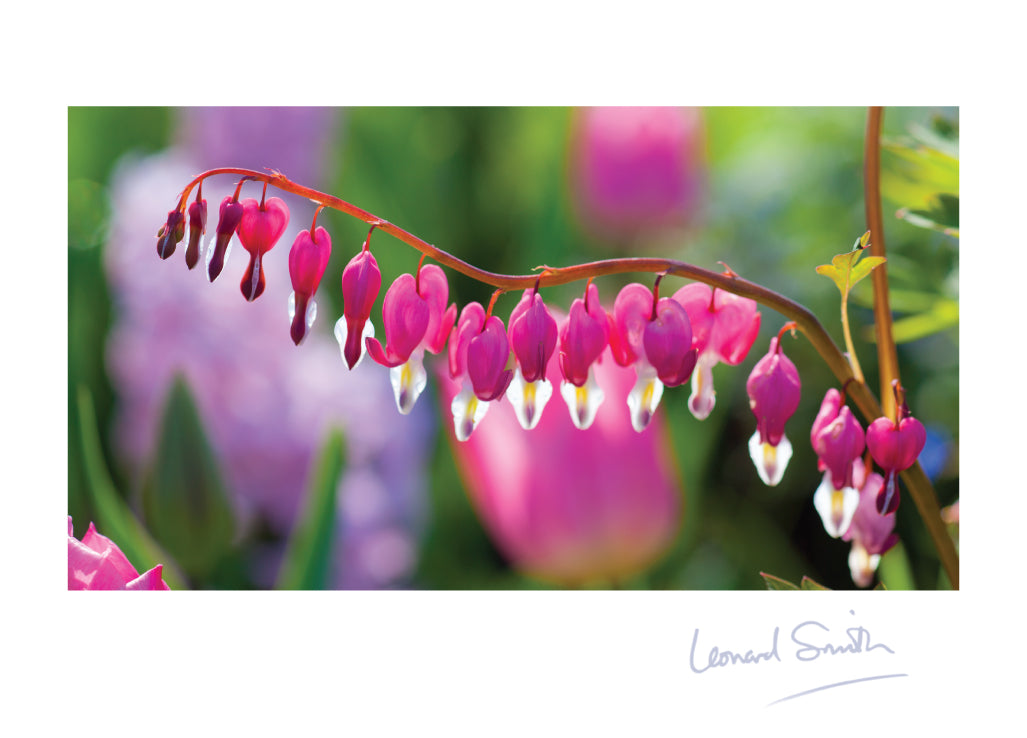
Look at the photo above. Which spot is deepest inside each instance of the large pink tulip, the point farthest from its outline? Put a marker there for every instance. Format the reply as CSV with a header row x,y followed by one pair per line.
x,y
572,506
96,562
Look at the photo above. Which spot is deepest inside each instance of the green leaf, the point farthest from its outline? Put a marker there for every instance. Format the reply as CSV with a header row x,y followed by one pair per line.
x,y
809,584
941,315
776,583
308,555
184,499
913,172
845,270
941,214
114,518
895,570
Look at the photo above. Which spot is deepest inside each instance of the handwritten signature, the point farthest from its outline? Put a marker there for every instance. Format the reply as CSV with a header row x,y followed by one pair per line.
x,y
813,638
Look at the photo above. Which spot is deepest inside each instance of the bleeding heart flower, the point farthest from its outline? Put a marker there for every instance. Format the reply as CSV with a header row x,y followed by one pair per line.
x,y
479,355
894,447
871,532
655,336
170,234
229,215
533,336
416,320
583,336
96,562
774,391
724,327
308,259
361,281
197,228
259,229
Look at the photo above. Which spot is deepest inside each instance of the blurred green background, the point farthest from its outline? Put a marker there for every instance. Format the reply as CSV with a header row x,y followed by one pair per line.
x,y
782,192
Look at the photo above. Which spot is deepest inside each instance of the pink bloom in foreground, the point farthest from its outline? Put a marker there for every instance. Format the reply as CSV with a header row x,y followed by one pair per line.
x,y
96,562
774,390
573,506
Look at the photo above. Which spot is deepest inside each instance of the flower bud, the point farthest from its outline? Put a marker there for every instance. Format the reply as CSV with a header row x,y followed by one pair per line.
x,y
229,215
774,390
361,280
197,228
170,234
308,259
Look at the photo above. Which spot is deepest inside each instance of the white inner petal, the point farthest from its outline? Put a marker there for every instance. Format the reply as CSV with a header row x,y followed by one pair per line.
x,y
644,398
292,306
408,381
862,566
835,506
770,461
341,332
703,398
528,398
468,411
210,254
582,402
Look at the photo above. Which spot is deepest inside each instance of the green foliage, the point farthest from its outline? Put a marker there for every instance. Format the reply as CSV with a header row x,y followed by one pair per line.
x,y
308,556
185,504
846,270
114,519
777,583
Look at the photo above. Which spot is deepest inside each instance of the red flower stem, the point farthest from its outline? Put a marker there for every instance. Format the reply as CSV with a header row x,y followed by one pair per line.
x,y
887,357
919,486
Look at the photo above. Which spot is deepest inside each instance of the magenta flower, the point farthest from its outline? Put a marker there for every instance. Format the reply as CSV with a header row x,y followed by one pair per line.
x,y
894,447
871,533
197,229
96,562
229,215
837,439
170,234
361,280
478,356
570,506
583,336
637,169
724,327
416,320
533,335
655,336
774,391
308,259
259,229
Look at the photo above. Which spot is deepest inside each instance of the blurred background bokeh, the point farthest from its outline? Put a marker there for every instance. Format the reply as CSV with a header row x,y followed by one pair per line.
x,y
200,435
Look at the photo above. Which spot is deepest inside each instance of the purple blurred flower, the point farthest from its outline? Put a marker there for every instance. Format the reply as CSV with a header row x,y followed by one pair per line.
x,y
636,170
265,403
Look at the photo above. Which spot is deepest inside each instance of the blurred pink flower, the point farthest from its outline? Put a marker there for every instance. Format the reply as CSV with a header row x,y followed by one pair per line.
x,y
573,506
637,169
96,562
265,402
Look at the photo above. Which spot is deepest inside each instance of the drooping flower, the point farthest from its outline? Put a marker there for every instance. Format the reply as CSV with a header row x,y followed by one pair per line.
x,y
479,355
197,229
416,320
653,335
229,215
170,234
724,327
895,446
573,507
583,336
361,281
837,439
96,562
259,229
533,335
871,533
308,259
774,389
636,170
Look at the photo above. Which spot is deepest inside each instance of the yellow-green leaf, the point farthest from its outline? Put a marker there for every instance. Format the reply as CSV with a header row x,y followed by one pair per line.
x,y
845,270
809,584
